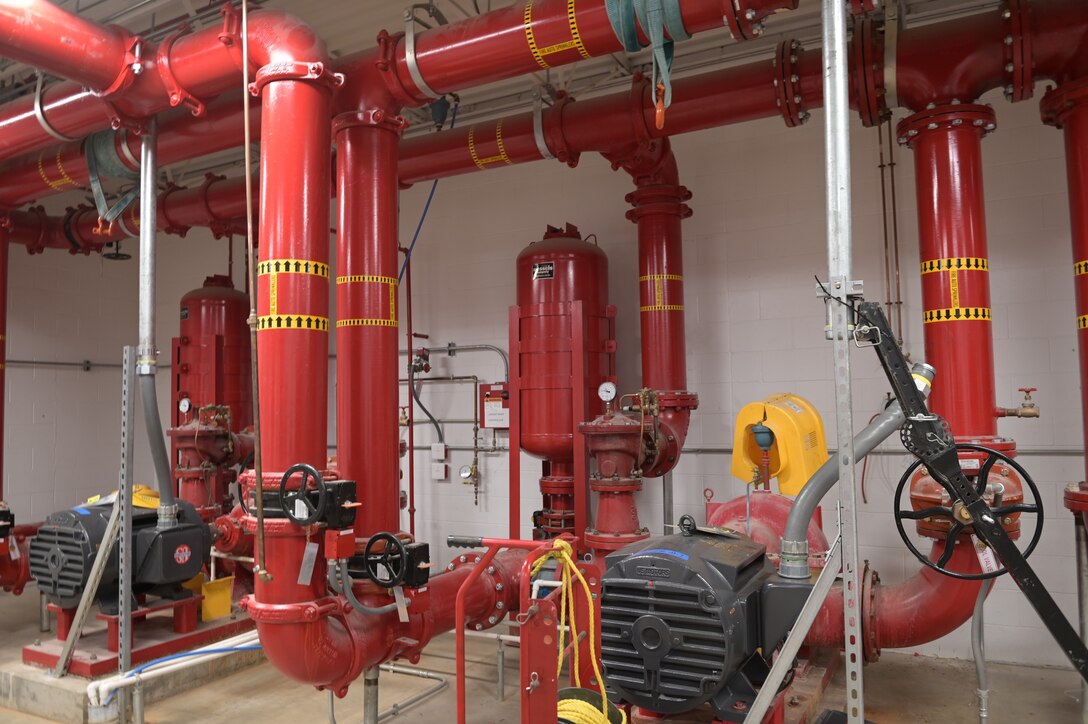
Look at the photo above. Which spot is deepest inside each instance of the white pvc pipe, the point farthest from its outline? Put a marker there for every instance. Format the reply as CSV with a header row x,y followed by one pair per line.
x,y
98,692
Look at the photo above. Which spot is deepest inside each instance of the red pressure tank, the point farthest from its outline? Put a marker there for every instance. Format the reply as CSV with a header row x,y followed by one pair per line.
x,y
553,275
212,391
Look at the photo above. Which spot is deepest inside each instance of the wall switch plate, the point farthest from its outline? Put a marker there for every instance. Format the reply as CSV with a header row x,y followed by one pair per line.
x,y
439,451
440,471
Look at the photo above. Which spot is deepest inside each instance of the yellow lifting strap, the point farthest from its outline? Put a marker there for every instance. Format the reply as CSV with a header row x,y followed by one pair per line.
x,y
799,447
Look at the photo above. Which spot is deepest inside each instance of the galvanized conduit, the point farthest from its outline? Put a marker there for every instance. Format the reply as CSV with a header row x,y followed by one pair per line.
x,y
978,650
147,355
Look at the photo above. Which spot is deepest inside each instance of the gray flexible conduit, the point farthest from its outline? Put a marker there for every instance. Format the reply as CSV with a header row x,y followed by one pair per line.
x,y
415,396
163,476
345,584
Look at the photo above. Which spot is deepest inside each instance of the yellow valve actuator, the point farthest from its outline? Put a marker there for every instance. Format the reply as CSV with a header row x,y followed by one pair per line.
x,y
799,446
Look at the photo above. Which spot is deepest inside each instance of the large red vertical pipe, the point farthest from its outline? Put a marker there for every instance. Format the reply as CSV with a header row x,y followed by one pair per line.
x,y
947,145
293,273
1067,108
367,392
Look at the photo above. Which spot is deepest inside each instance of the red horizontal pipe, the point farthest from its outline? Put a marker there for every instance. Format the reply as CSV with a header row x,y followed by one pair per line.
x,y
55,41
218,203
921,609
188,70
182,137
15,570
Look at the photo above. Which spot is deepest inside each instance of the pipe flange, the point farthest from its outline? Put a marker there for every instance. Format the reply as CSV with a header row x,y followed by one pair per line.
x,y
1058,102
745,22
870,579
373,118
787,83
315,72
131,65
867,55
169,226
1019,62
677,400
611,542
500,588
947,118
174,91
1076,497
68,227
659,199
557,485
553,131
285,613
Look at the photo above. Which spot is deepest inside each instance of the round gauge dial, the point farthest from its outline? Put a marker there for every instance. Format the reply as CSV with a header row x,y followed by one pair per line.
x,y
607,391
466,472
184,405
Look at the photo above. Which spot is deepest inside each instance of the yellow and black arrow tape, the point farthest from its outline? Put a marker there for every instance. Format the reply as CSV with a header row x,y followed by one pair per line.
x,y
955,264
293,266
293,321
366,323
1081,267
957,314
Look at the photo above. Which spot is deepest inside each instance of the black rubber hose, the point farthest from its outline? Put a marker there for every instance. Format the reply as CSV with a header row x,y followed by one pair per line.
x,y
415,396
345,583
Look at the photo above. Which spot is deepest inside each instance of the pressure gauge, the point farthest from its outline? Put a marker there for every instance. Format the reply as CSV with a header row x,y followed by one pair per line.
x,y
466,473
607,391
184,405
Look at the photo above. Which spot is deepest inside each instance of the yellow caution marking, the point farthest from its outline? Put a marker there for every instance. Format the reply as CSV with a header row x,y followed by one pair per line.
x,y
659,294
957,314
572,20
955,264
1082,321
666,277
575,41
273,294
529,36
1081,267
293,266
393,304
366,323
361,278
481,163
954,287
663,308
293,321
65,179
922,379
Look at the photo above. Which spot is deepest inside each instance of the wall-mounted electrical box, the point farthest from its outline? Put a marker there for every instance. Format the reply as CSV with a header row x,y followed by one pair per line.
x,y
495,406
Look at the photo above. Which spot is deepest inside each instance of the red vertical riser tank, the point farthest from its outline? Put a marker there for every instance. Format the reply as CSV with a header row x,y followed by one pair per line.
x,y
211,363
562,339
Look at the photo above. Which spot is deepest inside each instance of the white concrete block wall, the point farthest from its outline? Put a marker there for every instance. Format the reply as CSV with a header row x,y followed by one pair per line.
x,y
754,324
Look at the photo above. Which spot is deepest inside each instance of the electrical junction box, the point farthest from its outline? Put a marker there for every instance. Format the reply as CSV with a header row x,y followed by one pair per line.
x,y
440,471
495,406
439,451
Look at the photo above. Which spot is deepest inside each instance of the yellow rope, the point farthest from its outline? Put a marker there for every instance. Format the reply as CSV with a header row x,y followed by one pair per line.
x,y
579,712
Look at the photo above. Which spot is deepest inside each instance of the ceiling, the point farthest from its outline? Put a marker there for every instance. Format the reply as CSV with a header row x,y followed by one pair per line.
x,y
348,27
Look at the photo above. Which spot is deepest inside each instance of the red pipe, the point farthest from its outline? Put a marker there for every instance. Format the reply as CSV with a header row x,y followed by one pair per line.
x,y
180,138
367,357
218,203
1067,108
15,565
947,145
184,70
315,638
921,609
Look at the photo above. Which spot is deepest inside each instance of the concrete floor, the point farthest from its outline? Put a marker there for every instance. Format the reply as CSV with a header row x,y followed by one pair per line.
x,y
900,689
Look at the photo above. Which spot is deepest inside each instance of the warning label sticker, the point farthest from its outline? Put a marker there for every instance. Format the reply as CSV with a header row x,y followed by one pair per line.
x,y
544,270
496,414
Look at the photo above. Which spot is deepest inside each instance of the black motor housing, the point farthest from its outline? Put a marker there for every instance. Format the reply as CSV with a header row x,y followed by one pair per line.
x,y
63,551
684,618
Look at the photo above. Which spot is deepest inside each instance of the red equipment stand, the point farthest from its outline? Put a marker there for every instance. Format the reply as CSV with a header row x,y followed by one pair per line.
x,y
155,636
539,630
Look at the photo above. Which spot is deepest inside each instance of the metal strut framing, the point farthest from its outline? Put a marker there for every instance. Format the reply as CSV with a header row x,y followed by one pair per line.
x,y
841,289
124,496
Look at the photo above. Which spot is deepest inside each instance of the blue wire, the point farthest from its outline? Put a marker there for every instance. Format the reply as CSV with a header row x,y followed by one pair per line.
x,y
143,667
426,208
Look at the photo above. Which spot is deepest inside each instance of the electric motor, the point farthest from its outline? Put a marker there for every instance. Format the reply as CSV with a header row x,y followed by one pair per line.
x,y
63,552
684,617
